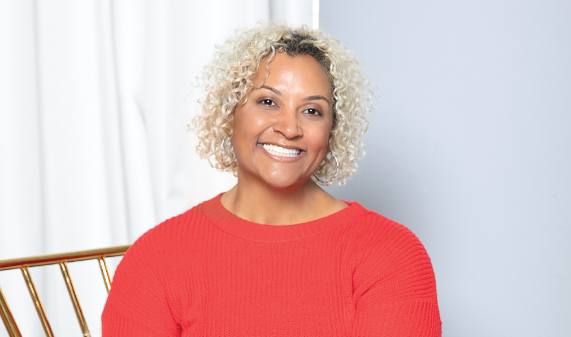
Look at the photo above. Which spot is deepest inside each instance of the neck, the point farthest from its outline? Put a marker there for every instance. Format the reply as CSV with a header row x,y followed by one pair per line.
x,y
258,202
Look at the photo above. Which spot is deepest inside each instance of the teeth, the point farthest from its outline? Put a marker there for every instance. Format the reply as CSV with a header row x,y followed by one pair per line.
x,y
280,151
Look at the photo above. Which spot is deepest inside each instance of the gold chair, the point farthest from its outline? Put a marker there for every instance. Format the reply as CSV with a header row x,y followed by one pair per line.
x,y
24,263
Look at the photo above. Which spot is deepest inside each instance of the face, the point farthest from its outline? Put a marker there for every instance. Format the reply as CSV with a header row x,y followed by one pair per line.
x,y
280,135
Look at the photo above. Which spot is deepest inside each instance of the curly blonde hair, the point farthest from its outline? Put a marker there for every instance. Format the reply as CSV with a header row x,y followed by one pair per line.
x,y
228,79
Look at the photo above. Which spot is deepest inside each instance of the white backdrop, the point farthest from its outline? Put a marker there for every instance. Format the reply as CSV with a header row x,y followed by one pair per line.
x,y
95,98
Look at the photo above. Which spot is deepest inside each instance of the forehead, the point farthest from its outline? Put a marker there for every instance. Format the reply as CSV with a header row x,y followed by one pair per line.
x,y
303,70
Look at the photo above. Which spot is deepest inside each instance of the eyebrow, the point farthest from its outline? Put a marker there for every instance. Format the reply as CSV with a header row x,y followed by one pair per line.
x,y
274,90
316,97
309,98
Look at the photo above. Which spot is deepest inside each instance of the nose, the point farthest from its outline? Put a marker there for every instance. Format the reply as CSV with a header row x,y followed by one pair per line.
x,y
288,124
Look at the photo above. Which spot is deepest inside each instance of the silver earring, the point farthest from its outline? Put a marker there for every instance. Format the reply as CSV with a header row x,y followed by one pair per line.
x,y
222,151
336,172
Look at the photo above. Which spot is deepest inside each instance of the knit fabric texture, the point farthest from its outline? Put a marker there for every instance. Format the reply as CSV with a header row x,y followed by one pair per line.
x,y
207,272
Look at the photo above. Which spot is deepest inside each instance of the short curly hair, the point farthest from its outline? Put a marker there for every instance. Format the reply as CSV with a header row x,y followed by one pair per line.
x,y
228,79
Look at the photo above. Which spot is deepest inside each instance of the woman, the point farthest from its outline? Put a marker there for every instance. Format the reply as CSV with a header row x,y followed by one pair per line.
x,y
277,255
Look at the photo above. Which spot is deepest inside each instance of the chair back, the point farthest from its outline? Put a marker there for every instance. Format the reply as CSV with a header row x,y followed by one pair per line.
x,y
61,259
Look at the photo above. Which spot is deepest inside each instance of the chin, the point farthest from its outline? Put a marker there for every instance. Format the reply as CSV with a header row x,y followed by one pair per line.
x,y
284,182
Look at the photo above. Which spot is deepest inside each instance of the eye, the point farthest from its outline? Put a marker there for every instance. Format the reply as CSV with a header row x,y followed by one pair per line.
x,y
312,111
267,101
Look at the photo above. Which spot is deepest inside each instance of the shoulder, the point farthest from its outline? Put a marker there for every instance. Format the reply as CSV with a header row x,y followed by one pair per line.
x,y
390,253
378,230
153,259
169,236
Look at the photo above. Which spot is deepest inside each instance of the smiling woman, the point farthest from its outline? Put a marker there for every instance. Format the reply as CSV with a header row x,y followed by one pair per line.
x,y
277,255
290,116
232,74
280,137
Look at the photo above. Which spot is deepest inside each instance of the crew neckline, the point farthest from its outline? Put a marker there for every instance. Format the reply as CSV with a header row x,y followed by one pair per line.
x,y
234,225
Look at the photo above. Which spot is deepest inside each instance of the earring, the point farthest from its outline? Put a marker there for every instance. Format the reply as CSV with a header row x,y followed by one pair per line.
x,y
222,151
336,172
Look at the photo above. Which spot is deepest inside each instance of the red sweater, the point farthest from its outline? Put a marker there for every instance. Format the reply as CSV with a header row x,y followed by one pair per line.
x,y
207,272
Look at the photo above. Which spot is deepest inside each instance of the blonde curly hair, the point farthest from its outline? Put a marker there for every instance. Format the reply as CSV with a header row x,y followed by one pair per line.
x,y
228,79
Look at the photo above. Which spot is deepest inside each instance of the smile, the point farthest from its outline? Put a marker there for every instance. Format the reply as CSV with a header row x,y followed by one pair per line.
x,y
280,151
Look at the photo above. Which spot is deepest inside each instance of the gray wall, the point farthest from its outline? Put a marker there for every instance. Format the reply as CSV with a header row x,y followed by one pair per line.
x,y
470,147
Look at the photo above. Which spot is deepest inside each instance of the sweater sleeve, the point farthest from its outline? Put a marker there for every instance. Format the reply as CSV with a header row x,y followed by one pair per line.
x,y
395,288
138,303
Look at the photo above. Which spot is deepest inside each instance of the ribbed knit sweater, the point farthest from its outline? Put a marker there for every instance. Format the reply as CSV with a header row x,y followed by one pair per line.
x,y
207,272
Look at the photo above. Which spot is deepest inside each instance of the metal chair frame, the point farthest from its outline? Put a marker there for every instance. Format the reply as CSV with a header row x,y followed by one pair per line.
x,y
24,263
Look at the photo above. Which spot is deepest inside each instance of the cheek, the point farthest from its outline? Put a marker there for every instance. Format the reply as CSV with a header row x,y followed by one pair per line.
x,y
248,120
320,137
248,126
258,122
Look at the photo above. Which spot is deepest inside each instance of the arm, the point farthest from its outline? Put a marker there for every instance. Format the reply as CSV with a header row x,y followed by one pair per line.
x,y
137,304
395,289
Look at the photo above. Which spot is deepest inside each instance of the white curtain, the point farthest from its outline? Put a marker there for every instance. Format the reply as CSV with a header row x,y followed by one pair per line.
x,y
95,98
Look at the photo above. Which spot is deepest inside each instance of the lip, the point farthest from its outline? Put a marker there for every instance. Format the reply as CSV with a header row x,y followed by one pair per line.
x,y
283,159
